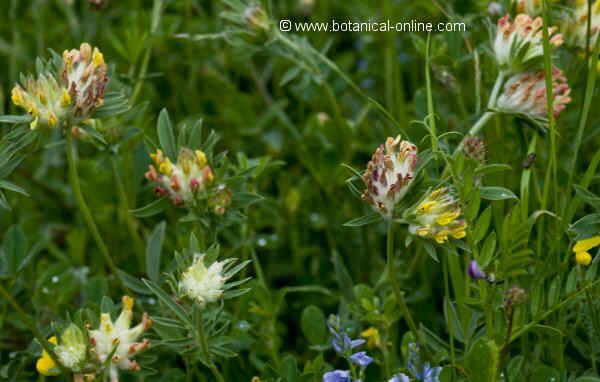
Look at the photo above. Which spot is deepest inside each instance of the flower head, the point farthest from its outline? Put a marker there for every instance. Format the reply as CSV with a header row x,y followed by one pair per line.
x,y
438,217
373,337
530,7
183,180
389,173
577,25
400,378
118,340
45,365
44,99
474,149
341,342
518,45
525,93
84,76
337,376
422,371
361,359
475,271
582,247
203,284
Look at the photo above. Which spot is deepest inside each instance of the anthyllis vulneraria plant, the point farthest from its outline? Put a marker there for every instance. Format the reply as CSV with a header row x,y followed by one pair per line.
x,y
438,216
115,343
525,94
389,175
70,93
582,247
204,284
518,45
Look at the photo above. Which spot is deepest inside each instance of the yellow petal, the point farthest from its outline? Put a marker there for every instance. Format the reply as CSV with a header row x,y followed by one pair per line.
x,y
587,244
46,366
583,258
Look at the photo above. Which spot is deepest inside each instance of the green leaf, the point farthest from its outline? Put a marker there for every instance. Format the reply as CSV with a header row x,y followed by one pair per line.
x,y
12,187
482,361
166,136
314,326
154,208
343,277
169,302
154,250
245,199
587,197
14,248
371,218
15,119
289,369
497,193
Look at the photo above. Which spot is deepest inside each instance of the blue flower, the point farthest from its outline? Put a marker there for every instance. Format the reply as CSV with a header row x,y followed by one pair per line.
x,y
361,358
337,376
429,374
424,373
341,342
400,378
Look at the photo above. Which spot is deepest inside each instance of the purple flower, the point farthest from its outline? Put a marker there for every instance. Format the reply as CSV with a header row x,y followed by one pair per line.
x,y
423,372
475,271
337,376
341,342
361,358
400,378
429,374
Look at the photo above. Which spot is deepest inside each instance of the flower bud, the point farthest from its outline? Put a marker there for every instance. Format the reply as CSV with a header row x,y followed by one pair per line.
x,y
475,271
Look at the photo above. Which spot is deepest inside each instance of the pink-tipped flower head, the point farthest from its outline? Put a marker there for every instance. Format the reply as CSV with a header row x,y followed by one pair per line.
x,y
525,93
518,44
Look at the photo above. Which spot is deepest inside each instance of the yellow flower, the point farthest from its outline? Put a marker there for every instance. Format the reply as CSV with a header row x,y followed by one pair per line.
x,y
45,365
373,337
582,247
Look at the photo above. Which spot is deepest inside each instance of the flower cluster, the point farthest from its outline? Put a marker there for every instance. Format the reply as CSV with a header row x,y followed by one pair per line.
x,y
183,180
518,45
118,341
438,217
577,26
530,7
84,76
525,93
202,284
421,371
87,358
344,346
474,149
389,174
50,98
582,247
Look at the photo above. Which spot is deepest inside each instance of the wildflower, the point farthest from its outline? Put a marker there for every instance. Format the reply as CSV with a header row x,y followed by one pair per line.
x,y
525,93
400,378
475,271
577,25
495,9
373,337
514,296
389,174
582,247
474,148
183,180
256,17
337,376
118,340
203,284
530,7
220,200
84,76
423,372
44,99
341,342
518,45
361,358
437,217
45,365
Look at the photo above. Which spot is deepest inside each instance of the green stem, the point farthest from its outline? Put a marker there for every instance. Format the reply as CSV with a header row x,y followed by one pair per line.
x,y
430,105
129,219
398,292
204,345
36,333
475,129
83,207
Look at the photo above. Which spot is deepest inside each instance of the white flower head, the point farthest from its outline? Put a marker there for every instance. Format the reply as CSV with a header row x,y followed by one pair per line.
x,y
518,45
576,26
72,348
525,93
118,340
389,174
203,284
